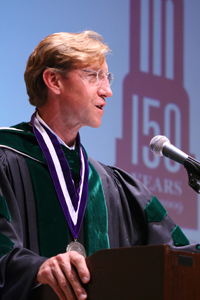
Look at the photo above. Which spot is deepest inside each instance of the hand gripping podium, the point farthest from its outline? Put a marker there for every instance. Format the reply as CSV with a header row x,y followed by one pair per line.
x,y
139,273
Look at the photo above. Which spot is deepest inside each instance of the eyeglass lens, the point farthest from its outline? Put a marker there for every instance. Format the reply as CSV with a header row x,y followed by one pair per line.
x,y
101,76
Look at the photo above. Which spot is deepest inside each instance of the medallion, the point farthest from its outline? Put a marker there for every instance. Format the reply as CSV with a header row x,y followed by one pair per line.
x,y
76,246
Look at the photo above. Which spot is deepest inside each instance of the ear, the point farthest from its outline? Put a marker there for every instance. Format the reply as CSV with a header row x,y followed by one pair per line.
x,y
52,81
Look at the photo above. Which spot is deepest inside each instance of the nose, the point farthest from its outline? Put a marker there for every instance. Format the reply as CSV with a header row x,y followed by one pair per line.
x,y
104,88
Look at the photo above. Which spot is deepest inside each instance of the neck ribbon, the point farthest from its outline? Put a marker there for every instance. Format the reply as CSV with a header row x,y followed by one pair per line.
x,y
73,202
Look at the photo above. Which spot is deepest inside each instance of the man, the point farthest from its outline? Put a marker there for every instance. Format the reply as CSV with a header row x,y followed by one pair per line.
x,y
53,199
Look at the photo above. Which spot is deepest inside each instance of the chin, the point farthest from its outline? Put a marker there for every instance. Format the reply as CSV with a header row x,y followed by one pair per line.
x,y
95,123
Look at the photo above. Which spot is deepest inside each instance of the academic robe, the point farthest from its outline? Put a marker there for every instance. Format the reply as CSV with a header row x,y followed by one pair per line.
x,y
134,215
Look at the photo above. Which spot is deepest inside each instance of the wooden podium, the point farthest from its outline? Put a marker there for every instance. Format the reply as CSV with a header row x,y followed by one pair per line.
x,y
139,273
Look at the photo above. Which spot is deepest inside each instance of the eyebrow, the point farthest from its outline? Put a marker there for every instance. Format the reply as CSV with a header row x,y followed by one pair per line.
x,y
90,70
95,70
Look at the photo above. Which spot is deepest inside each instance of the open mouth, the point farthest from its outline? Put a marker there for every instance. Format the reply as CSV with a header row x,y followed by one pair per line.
x,y
99,106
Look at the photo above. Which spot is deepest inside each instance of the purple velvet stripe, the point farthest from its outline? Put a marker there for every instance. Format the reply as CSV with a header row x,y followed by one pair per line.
x,y
65,167
81,169
84,192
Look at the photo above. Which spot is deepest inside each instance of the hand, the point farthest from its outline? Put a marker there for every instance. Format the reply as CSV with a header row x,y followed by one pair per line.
x,y
64,273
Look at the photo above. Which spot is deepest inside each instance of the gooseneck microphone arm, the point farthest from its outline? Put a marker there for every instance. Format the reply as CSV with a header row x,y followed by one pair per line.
x,y
160,145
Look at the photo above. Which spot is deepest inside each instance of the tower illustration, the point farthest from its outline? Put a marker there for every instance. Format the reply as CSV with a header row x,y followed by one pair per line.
x,y
156,103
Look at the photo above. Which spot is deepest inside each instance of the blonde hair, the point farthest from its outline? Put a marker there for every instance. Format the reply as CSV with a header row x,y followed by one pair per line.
x,y
61,52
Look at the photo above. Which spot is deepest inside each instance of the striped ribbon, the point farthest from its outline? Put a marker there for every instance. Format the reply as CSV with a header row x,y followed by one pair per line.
x,y
73,202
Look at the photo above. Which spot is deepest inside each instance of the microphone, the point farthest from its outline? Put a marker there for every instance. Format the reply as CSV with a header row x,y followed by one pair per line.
x,y
160,145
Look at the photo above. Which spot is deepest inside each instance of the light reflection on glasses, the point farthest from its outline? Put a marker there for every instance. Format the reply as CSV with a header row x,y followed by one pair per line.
x,y
97,77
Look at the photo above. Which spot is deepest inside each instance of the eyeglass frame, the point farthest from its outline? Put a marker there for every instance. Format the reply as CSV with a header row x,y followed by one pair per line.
x,y
97,76
97,72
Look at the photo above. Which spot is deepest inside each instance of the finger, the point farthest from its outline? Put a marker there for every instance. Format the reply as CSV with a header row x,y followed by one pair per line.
x,y
66,264
61,285
59,292
51,274
80,263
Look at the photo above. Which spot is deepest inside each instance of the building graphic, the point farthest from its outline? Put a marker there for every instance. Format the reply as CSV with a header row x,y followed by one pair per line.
x,y
156,103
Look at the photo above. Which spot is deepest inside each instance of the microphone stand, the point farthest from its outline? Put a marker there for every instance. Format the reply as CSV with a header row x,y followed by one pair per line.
x,y
193,169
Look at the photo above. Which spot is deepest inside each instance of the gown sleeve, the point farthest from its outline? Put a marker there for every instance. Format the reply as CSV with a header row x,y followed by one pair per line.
x,y
18,264
145,216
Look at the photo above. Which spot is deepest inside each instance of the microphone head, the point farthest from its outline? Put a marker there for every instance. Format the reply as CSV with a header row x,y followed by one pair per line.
x,y
157,143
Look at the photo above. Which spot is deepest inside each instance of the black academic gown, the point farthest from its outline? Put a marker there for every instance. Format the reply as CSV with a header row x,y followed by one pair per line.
x,y
128,226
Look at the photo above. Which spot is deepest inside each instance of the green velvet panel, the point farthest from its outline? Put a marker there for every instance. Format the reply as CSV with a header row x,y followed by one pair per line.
x,y
51,222
179,238
155,212
6,245
22,141
96,220
73,161
4,211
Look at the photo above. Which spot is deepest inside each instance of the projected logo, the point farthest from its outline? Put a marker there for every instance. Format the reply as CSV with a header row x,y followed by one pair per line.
x,y
155,102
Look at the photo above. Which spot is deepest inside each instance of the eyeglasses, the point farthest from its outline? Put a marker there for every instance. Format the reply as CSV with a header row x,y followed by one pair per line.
x,y
96,77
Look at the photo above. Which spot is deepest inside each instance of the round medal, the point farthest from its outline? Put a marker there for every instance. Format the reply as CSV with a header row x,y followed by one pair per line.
x,y
76,246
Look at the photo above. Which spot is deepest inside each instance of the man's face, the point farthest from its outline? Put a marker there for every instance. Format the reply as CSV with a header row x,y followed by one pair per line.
x,y
81,102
